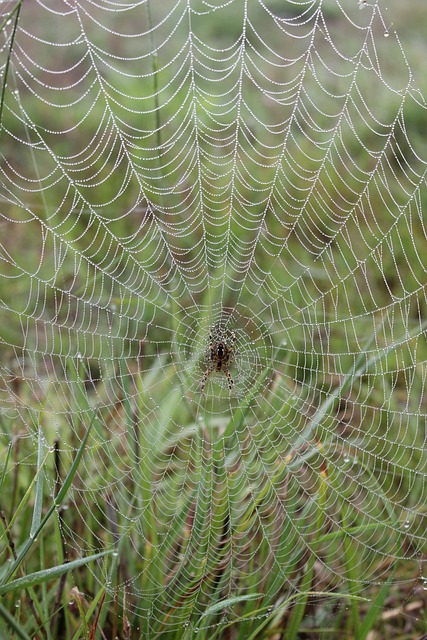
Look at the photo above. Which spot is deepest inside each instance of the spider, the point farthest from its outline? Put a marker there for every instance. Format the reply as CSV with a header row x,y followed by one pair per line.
x,y
220,356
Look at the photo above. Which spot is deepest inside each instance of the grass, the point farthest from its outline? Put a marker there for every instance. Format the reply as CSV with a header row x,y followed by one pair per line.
x,y
132,507
215,520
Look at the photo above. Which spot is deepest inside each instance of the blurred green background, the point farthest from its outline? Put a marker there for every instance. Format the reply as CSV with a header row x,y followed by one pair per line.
x,y
105,303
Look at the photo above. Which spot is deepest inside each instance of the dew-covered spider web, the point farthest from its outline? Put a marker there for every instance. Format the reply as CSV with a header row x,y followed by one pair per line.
x,y
214,252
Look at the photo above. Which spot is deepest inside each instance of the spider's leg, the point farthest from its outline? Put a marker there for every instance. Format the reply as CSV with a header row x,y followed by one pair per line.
x,y
211,348
205,376
229,378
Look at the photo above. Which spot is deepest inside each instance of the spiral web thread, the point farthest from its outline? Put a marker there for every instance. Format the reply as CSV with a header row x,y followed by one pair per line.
x,y
181,175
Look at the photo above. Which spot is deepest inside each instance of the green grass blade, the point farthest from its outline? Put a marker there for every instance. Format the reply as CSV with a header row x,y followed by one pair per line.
x,y
12,623
375,609
38,577
351,564
55,504
96,600
16,10
318,525
5,465
24,500
38,501
229,602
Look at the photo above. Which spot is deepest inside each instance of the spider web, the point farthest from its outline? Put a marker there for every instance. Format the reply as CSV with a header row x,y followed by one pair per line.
x,y
180,174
